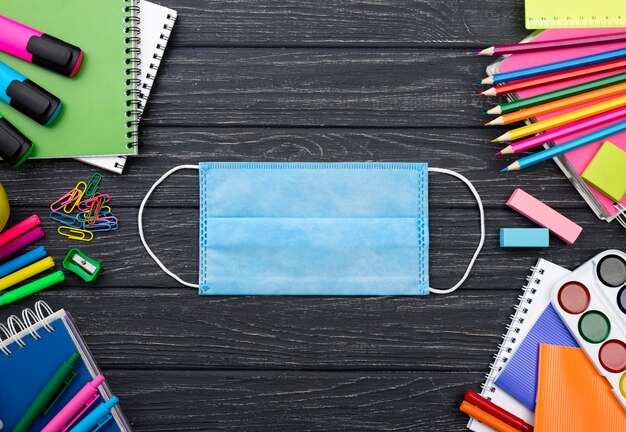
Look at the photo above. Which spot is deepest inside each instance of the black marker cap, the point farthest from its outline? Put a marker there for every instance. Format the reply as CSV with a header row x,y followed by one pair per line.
x,y
34,101
15,148
54,54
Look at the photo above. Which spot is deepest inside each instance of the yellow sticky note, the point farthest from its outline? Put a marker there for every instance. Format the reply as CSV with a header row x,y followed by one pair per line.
x,y
544,14
607,171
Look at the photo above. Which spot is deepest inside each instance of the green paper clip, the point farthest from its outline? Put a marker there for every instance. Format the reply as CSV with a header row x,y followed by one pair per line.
x,y
82,264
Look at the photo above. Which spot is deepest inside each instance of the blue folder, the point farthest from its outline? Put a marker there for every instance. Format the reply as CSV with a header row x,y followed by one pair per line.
x,y
519,377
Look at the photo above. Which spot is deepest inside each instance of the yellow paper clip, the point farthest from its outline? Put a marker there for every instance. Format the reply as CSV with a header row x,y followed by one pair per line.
x,y
75,233
74,203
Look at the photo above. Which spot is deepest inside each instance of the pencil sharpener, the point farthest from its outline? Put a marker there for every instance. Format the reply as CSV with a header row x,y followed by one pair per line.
x,y
82,264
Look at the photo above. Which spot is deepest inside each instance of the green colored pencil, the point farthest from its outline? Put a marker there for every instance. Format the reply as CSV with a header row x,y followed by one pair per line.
x,y
510,107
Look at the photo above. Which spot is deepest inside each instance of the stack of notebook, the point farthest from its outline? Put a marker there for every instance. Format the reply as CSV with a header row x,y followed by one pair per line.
x,y
103,103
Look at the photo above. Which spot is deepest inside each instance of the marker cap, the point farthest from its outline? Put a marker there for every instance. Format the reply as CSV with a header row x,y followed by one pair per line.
x,y
55,54
34,101
15,148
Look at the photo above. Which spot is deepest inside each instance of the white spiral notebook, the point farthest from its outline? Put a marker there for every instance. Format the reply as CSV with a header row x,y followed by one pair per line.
x,y
32,348
533,301
155,23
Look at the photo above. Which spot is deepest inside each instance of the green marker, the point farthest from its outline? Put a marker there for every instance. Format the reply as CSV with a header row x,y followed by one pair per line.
x,y
510,107
32,288
49,394
15,148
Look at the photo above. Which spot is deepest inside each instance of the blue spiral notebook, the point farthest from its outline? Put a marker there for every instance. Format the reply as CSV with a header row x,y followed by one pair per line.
x,y
519,377
38,343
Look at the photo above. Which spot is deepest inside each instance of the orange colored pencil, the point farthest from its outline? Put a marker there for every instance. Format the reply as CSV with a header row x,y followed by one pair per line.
x,y
558,105
486,418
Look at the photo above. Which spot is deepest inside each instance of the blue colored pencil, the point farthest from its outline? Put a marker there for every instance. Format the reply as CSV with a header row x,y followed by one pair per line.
x,y
555,67
544,155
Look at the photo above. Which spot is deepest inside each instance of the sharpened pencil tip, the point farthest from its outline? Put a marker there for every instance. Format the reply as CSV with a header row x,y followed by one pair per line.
x,y
485,113
498,153
504,169
495,140
478,82
479,94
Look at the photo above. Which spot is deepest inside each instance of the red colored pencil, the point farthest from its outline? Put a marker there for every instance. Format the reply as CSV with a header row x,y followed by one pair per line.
x,y
499,413
498,50
502,89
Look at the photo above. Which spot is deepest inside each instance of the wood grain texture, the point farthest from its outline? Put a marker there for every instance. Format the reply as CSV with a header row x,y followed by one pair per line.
x,y
330,81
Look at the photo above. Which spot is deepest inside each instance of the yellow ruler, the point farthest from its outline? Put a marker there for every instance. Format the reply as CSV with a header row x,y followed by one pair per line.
x,y
544,14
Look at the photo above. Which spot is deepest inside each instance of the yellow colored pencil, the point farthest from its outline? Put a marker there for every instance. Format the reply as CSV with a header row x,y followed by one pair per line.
x,y
26,272
562,119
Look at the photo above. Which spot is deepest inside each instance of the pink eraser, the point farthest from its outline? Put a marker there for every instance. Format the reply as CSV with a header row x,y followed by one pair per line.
x,y
544,215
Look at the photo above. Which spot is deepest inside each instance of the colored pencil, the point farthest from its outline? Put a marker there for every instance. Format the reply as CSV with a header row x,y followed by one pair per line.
x,y
486,418
496,411
520,104
544,155
555,67
515,86
498,50
579,126
563,119
557,105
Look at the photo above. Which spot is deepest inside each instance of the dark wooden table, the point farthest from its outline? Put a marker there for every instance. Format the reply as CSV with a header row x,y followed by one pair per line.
x,y
324,81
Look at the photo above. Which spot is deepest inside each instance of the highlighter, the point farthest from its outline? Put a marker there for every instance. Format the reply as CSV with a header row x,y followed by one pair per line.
x,y
98,417
32,288
75,408
49,394
39,48
27,97
15,148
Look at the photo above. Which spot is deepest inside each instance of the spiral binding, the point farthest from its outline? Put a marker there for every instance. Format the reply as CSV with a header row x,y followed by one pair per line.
x,y
133,70
621,216
30,320
509,339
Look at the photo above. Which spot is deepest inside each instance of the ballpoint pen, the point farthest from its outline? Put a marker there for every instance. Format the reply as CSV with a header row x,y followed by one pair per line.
x,y
99,416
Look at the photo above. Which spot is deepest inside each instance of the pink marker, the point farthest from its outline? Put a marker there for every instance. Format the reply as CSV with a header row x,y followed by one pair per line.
x,y
21,242
579,126
17,230
39,48
75,408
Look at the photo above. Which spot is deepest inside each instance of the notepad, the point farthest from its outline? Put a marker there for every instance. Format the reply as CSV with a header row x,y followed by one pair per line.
x,y
532,303
544,14
607,171
98,115
31,356
572,395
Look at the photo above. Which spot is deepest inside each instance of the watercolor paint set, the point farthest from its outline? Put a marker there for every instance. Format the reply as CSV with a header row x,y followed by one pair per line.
x,y
591,301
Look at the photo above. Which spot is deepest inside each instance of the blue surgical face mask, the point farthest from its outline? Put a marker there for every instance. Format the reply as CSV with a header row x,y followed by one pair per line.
x,y
313,228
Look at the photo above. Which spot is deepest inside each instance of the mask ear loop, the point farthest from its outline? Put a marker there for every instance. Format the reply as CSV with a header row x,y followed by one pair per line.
x,y
482,229
140,223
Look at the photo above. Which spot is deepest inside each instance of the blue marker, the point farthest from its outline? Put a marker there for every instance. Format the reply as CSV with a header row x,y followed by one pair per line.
x,y
27,97
97,418
22,261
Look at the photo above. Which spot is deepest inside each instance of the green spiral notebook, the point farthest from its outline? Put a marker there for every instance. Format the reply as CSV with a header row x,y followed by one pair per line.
x,y
98,116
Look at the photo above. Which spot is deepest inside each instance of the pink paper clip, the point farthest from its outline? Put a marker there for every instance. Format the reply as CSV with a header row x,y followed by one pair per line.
x,y
66,199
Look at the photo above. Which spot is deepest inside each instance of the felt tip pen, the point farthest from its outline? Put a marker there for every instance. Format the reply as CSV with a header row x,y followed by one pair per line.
x,y
22,261
20,228
27,97
49,394
21,242
75,408
26,273
39,48
15,148
98,417
32,288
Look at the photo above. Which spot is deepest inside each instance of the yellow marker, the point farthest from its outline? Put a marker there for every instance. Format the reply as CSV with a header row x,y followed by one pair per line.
x,y
26,272
563,119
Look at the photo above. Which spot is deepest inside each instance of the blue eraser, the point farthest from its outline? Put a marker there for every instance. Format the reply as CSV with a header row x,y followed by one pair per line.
x,y
525,237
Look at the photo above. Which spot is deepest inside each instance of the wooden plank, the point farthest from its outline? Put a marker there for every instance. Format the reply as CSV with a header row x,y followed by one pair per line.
x,y
466,150
318,87
174,328
406,23
272,401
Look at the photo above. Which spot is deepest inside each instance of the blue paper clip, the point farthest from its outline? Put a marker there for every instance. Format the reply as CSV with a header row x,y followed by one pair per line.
x,y
65,219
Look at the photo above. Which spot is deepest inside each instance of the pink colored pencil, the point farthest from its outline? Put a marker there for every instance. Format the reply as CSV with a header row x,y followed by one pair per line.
x,y
21,242
579,126
498,50
17,230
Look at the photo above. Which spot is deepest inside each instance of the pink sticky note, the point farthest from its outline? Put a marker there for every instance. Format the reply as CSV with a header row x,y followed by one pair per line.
x,y
544,215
